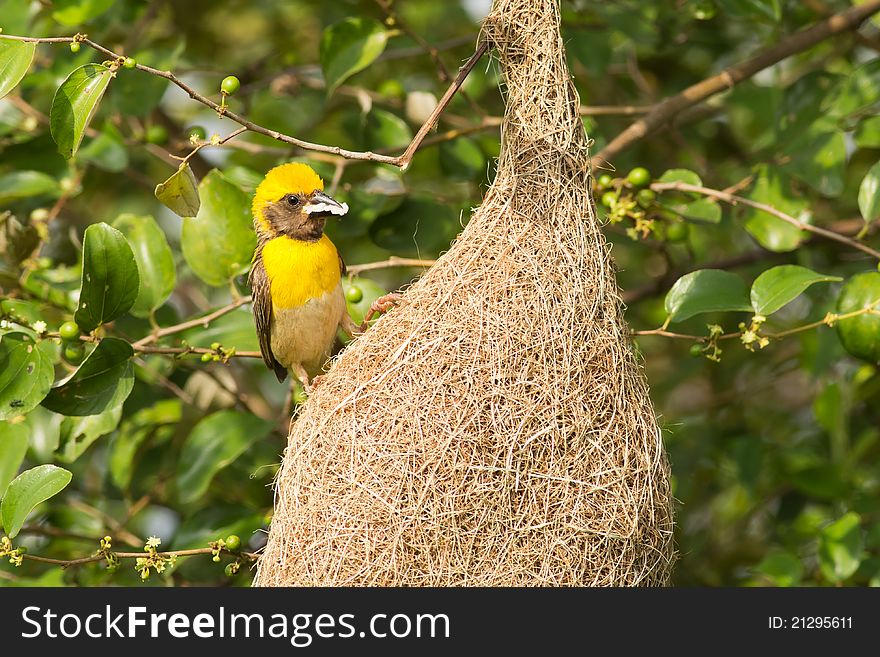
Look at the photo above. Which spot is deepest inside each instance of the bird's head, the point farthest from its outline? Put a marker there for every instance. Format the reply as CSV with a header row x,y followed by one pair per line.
x,y
291,201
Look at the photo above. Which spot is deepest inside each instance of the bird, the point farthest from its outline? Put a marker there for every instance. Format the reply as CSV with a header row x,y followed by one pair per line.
x,y
296,274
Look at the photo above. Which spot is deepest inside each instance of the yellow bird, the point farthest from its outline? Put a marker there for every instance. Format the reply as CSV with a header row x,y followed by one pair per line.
x,y
296,274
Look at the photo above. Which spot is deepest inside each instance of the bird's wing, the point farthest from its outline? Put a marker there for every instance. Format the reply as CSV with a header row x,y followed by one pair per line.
x,y
262,304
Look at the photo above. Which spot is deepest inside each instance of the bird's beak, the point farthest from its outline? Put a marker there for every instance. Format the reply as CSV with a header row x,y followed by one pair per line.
x,y
320,202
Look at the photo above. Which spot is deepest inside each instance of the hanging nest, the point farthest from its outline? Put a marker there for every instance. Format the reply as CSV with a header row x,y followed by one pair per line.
x,y
495,428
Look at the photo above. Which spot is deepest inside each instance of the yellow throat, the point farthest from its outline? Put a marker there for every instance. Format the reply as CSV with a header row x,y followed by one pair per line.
x,y
299,270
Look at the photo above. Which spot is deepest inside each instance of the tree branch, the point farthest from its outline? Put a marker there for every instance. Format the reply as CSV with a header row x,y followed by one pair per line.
x,y
666,110
737,200
402,161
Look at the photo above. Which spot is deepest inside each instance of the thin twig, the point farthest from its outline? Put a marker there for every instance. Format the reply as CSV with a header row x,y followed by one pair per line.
x,y
393,261
667,109
192,323
402,161
769,209
69,563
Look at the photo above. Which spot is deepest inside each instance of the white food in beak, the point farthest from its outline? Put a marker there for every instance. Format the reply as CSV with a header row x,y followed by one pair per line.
x,y
339,209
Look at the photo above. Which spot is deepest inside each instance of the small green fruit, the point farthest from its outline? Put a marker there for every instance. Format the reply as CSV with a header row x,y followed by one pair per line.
x,y
129,62
156,134
860,335
230,85
233,542
216,558
69,331
645,197
609,198
696,350
677,231
74,47
206,358
74,352
639,177
354,293
197,132
229,570
604,181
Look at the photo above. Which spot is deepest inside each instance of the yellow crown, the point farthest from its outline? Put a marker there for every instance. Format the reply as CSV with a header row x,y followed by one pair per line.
x,y
291,178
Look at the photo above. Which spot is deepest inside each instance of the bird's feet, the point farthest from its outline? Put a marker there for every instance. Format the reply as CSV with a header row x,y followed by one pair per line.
x,y
380,306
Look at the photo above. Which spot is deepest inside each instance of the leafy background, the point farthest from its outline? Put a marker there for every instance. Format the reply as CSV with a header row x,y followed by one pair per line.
x,y
774,450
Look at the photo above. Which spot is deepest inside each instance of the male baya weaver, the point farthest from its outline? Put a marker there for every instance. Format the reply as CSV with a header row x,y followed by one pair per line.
x,y
296,274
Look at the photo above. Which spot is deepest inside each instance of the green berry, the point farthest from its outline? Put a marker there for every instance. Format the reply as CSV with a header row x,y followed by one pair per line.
x,y
74,352
129,62
69,331
639,177
696,350
233,542
230,85
677,231
207,358
609,198
354,294
74,46
156,134
230,569
645,197
605,180
198,132
216,558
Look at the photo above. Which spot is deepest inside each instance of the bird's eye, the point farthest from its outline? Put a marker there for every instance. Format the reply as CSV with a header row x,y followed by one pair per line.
x,y
292,200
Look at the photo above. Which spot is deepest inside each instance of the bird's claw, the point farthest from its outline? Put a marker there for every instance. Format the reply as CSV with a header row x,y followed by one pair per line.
x,y
380,306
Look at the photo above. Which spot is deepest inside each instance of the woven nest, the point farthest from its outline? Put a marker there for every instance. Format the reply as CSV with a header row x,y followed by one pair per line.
x,y
494,429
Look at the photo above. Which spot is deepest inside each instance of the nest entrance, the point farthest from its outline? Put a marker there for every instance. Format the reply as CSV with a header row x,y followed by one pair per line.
x,y
495,429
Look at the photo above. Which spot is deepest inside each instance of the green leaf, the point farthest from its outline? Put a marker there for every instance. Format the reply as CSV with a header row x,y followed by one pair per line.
x,y
109,284
235,329
155,261
74,105
782,568
383,130
27,490
17,185
73,13
869,194
133,432
348,47
840,548
78,433
801,104
420,225
857,93
819,159
703,210
706,291
13,447
215,442
103,380
780,285
768,10
219,243
681,175
180,193
15,60
868,133
106,151
43,429
26,373
462,159
773,187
